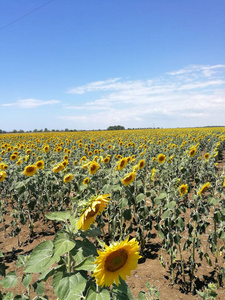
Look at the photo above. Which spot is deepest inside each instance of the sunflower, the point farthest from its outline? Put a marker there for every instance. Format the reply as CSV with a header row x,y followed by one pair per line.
x,y
18,162
161,158
65,163
224,181
106,160
30,170
128,179
153,173
204,188
2,176
93,168
206,156
13,157
121,164
40,164
183,189
117,260
86,180
46,148
94,208
192,152
67,178
141,164
58,168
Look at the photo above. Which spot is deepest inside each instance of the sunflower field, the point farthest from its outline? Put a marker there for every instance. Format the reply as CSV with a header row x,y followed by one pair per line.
x,y
107,195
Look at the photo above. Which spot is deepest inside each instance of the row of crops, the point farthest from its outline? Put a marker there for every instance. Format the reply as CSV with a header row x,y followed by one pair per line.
x,y
110,191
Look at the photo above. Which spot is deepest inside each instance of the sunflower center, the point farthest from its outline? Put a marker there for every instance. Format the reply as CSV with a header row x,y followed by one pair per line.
x,y
30,169
93,167
116,260
128,178
93,212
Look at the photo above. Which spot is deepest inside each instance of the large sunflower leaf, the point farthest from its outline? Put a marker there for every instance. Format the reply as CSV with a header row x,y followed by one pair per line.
x,y
62,244
103,295
60,216
10,280
70,287
41,258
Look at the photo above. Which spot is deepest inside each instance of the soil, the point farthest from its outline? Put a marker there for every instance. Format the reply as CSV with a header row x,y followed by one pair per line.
x,y
149,268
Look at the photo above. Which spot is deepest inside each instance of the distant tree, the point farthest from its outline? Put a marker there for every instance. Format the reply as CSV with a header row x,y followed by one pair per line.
x,y
14,131
35,130
116,127
21,131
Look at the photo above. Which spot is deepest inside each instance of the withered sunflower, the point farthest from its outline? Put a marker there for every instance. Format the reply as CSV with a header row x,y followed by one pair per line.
x,y
117,260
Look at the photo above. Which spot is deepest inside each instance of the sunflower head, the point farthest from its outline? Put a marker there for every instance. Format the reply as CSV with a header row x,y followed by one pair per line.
x,y
67,178
122,163
93,167
183,189
141,164
204,188
192,152
2,176
30,170
40,164
58,168
117,260
86,181
161,158
94,207
206,156
128,179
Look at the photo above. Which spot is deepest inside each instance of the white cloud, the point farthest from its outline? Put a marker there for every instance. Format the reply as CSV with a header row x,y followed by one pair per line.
x,y
31,103
192,94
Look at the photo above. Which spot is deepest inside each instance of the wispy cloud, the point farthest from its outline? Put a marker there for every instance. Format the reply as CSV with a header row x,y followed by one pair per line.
x,y
189,94
30,103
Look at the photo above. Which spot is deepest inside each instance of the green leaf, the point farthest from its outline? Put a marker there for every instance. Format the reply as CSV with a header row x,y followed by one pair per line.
x,y
92,232
39,288
87,264
73,224
10,280
166,214
62,244
171,204
60,216
140,197
8,296
70,287
122,292
102,295
141,296
1,254
26,280
41,258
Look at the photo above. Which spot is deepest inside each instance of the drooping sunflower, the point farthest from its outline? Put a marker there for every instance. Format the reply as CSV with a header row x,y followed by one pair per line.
x,y
40,164
117,260
183,189
95,206
141,164
192,152
161,158
204,188
59,167
128,179
30,170
67,178
2,176
93,167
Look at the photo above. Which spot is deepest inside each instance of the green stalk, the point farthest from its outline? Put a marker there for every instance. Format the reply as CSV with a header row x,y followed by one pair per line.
x,y
193,258
182,266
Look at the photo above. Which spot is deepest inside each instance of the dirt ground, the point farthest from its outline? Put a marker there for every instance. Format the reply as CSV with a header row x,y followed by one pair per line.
x,y
149,268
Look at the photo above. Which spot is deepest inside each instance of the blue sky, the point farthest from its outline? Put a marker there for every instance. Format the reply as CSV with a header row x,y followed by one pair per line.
x,y
94,63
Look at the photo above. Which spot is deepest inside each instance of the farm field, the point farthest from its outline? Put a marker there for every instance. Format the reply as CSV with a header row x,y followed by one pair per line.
x,y
81,211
